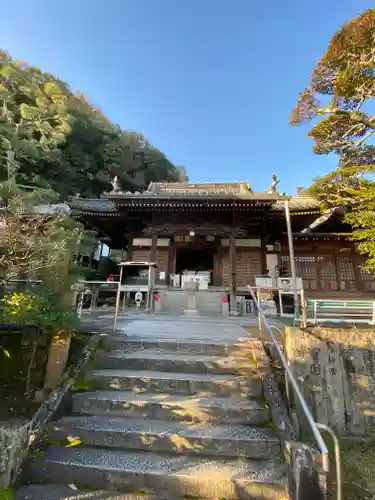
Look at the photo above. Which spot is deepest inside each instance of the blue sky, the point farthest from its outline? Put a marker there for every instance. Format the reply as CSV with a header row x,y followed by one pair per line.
x,y
210,82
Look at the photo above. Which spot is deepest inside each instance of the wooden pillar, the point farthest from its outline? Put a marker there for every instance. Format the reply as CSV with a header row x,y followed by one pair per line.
x,y
357,273
171,269
263,249
217,269
153,250
233,274
129,252
337,270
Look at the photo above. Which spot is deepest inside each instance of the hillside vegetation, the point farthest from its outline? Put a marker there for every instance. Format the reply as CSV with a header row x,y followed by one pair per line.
x,y
62,142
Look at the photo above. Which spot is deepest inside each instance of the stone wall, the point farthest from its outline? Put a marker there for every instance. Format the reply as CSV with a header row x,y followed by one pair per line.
x,y
335,368
14,443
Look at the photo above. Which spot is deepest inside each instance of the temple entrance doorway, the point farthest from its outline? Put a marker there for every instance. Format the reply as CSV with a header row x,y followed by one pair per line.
x,y
196,258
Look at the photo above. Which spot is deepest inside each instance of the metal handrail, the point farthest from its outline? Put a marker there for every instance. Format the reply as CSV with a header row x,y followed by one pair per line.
x,y
293,382
336,444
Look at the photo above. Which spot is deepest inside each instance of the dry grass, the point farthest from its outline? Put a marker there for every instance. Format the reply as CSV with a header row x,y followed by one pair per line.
x,y
358,469
264,336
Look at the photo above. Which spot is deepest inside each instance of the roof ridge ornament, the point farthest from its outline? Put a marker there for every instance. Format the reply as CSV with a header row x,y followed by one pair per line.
x,y
273,186
116,186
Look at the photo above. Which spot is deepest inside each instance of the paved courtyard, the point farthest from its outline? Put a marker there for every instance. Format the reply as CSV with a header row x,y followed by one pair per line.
x,y
162,326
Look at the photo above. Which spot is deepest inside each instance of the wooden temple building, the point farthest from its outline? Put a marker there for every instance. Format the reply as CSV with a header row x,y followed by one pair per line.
x,y
232,232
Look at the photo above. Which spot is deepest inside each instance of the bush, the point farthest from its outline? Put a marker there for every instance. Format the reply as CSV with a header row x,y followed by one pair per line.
x,y
39,310
43,312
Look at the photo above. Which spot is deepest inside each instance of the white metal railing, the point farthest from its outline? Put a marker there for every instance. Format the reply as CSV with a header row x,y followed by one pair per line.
x,y
340,311
290,379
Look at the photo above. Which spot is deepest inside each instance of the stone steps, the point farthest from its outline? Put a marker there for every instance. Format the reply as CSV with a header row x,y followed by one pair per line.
x,y
207,302
62,492
183,383
170,415
169,437
185,362
135,343
171,475
163,406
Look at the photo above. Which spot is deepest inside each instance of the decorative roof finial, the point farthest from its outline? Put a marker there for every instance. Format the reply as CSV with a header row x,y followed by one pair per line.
x,y
273,187
116,187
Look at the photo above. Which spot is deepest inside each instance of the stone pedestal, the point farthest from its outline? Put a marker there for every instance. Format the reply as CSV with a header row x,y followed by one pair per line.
x,y
225,308
158,307
191,299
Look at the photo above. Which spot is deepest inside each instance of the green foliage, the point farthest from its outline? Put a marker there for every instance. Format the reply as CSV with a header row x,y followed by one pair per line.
x,y
38,245
82,386
63,142
342,84
39,310
5,352
6,494
32,242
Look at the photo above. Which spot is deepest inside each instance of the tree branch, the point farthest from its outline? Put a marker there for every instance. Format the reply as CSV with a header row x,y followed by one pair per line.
x,y
364,139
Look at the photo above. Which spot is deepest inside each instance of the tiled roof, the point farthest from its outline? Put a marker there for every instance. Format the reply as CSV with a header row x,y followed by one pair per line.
x,y
297,203
186,191
180,191
92,205
101,205
55,208
226,189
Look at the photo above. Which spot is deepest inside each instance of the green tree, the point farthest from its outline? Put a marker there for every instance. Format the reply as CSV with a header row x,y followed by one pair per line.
x,y
341,88
34,240
63,142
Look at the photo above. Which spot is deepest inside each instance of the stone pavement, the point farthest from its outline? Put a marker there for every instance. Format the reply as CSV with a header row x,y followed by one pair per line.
x,y
201,330
104,317
174,409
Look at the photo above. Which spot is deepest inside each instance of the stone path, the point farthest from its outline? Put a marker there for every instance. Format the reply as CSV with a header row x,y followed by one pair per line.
x,y
175,410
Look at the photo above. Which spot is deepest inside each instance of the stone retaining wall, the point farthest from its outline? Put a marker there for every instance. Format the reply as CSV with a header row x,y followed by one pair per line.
x,y
335,368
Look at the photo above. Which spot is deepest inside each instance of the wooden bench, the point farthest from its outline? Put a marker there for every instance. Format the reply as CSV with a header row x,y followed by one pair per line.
x,y
340,311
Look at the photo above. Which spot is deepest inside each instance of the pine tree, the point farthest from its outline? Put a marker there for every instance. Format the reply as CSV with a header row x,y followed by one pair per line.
x,y
341,87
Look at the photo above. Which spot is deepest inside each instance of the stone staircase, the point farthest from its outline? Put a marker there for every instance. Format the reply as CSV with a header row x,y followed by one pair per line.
x,y
164,419
208,301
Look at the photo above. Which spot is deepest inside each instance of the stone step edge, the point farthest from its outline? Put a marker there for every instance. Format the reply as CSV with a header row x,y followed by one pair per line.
x,y
154,354
156,374
65,492
135,339
262,470
178,429
207,478
251,404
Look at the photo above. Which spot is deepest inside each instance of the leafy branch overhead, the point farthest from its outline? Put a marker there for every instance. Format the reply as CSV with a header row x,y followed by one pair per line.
x,y
63,142
337,101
